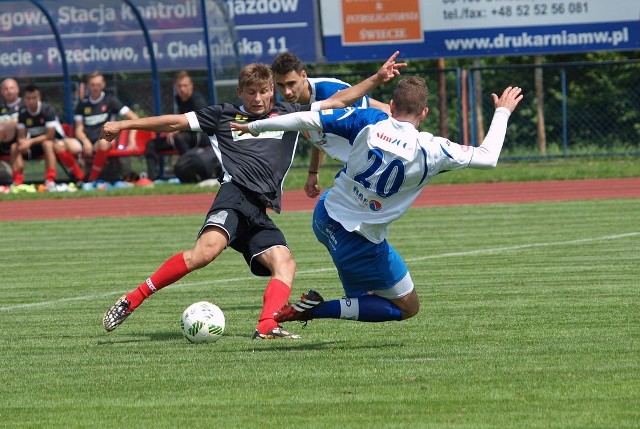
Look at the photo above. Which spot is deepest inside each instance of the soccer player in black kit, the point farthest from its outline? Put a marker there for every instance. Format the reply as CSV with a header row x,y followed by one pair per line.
x,y
254,169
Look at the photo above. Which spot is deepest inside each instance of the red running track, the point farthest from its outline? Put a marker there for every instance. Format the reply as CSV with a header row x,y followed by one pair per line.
x,y
433,195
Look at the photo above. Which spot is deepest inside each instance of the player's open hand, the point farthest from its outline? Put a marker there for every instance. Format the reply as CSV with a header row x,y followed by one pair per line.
x,y
509,98
242,128
110,131
390,68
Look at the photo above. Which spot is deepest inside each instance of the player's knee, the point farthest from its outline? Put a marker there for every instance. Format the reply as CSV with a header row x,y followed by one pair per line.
x,y
411,307
288,263
411,311
103,145
197,258
281,263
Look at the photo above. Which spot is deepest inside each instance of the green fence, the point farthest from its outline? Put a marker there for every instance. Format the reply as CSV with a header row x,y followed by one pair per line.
x,y
587,108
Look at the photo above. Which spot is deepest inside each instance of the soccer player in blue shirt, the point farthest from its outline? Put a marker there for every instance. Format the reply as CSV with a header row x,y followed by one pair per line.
x,y
389,165
295,86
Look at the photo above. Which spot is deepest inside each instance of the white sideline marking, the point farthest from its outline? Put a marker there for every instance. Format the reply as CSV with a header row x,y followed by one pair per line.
x,y
320,270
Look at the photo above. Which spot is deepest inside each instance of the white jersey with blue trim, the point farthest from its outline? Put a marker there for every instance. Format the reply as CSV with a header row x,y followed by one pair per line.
x,y
389,165
334,146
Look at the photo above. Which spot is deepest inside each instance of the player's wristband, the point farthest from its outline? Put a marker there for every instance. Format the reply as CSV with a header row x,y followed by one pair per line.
x,y
313,172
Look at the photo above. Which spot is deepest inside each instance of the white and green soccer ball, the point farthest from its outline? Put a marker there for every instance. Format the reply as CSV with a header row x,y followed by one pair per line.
x,y
203,322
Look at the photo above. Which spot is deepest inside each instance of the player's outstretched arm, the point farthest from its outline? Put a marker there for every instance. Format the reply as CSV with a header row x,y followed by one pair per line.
x,y
160,124
297,121
486,155
348,96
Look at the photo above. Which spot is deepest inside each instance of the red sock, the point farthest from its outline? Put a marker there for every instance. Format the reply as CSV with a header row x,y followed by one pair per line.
x,y
170,272
69,161
18,177
99,160
275,296
50,174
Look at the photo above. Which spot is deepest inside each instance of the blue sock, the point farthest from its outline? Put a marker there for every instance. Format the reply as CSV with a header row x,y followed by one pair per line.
x,y
367,308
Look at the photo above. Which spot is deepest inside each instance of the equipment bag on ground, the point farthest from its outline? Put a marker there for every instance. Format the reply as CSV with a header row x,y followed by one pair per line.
x,y
197,164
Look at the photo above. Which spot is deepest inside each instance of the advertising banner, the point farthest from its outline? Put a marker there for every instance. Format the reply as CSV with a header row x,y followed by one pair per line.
x,y
106,35
371,29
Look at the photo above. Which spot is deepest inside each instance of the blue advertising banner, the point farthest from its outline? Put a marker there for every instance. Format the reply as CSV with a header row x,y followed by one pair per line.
x,y
106,35
356,30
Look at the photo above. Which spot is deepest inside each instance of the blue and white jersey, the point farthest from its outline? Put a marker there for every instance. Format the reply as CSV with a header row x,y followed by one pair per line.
x,y
334,146
388,166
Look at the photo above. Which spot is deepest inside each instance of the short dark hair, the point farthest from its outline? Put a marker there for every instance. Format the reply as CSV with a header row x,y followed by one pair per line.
x,y
410,95
93,74
285,63
31,88
255,73
181,75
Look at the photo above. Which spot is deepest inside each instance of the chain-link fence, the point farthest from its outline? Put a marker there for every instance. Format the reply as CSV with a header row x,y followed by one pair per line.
x,y
570,109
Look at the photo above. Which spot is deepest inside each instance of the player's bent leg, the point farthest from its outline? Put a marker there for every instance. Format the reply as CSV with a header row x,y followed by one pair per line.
x,y
209,245
403,295
398,302
279,260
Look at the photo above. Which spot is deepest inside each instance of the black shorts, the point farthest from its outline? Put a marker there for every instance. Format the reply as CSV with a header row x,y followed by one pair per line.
x,y
35,151
5,148
244,218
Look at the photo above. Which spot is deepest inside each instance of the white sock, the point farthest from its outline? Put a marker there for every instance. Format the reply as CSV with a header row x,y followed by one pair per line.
x,y
349,308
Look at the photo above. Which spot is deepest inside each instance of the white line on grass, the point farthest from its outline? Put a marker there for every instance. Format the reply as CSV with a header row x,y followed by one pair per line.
x,y
319,270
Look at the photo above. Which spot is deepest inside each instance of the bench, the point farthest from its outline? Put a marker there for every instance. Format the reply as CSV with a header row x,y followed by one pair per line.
x,y
142,137
141,141
69,132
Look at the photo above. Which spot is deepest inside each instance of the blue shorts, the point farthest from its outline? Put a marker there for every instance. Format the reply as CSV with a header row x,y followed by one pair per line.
x,y
362,265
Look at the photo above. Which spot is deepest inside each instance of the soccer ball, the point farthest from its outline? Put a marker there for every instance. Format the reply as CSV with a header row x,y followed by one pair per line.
x,y
202,322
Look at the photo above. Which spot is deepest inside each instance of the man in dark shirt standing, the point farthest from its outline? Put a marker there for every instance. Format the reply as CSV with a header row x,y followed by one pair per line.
x,y
186,100
253,171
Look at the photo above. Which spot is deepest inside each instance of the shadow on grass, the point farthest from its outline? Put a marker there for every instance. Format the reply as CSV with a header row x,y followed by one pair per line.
x,y
257,345
308,345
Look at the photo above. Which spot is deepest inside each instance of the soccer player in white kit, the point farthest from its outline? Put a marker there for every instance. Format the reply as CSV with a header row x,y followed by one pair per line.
x,y
389,165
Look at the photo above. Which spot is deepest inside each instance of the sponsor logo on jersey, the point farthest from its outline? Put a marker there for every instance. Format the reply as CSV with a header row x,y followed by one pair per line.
x,y
241,118
359,196
375,205
263,135
392,140
93,120
219,218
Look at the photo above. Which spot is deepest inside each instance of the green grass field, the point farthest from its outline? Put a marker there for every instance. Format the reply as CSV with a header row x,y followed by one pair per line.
x,y
529,319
